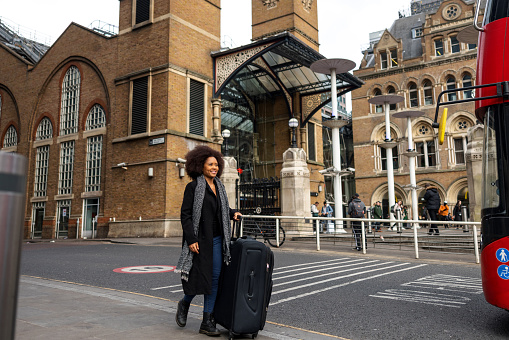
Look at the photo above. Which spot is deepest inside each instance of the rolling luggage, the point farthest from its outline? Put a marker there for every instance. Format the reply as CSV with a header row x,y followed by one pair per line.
x,y
245,287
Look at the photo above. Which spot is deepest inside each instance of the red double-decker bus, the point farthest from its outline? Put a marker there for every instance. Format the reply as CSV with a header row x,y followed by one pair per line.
x,y
492,108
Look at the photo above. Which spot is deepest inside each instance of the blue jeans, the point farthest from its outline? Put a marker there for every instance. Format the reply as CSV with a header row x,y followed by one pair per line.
x,y
217,261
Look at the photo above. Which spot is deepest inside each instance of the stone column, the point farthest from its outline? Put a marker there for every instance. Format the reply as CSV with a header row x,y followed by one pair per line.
x,y
295,192
474,170
216,120
229,179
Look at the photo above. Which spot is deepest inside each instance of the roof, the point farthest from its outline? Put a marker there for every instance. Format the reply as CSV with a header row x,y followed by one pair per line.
x,y
402,29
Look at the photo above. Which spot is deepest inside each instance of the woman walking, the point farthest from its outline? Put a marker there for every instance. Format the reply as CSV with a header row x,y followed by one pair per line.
x,y
205,216
457,213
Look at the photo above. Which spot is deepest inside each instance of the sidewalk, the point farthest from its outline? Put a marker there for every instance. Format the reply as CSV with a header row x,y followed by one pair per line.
x,y
49,309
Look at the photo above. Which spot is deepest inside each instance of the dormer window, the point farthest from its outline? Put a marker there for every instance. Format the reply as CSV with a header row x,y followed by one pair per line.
x,y
417,32
394,58
383,60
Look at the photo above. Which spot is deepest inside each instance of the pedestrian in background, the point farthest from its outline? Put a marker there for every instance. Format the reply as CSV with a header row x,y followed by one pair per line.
x,y
405,215
378,214
443,213
205,216
357,209
314,210
457,214
432,199
326,211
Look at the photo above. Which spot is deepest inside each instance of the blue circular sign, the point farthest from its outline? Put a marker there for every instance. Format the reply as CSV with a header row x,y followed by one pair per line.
x,y
502,255
503,271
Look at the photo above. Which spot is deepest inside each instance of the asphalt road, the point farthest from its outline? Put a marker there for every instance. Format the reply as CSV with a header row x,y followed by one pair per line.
x,y
347,295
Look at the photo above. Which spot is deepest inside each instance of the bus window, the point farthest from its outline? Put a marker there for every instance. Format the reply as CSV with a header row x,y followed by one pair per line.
x,y
491,182
494,10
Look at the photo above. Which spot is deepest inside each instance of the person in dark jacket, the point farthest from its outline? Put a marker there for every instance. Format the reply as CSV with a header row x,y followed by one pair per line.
x,y
457,214
357,209
432,205
205,216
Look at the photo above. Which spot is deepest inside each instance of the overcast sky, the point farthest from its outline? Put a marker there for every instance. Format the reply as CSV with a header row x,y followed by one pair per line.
x,y
344,25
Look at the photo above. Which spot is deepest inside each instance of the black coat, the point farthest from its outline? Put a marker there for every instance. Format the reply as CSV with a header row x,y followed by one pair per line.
x,y
200,277
432,199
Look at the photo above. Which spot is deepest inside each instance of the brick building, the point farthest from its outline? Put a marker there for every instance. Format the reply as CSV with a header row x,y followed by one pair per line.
x,y
417,57
104,118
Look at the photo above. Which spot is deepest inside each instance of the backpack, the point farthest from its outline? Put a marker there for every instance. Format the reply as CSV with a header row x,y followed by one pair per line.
x,y
358,210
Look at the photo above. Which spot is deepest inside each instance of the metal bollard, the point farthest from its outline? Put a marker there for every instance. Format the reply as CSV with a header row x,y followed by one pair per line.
x,y
369,223
465,218
12,211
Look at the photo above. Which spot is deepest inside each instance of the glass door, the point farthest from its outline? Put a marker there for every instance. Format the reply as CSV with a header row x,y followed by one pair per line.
x,y
64,210
90,219
38,218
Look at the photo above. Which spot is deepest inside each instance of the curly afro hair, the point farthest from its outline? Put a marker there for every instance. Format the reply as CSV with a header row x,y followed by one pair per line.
x,y
195,159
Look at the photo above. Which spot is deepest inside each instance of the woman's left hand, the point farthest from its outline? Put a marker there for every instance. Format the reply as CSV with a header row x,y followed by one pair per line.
x,y
237,216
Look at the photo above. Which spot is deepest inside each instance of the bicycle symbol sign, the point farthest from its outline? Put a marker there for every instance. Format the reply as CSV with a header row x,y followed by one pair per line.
x,y
144,269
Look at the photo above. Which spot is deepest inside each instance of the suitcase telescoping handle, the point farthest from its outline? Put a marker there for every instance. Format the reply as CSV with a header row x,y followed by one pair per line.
x,y
236,228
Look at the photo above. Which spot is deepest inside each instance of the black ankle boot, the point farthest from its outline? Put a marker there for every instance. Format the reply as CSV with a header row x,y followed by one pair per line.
x,y
207,327
181,316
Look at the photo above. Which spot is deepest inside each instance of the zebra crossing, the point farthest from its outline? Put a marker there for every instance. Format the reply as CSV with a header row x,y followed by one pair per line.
x,y
305,279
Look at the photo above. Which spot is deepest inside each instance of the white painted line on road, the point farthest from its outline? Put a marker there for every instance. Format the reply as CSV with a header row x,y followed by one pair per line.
x,y
333,273
310,263
157,288
318,266
334,278
449,283
346,283
324,269
436,299
177,291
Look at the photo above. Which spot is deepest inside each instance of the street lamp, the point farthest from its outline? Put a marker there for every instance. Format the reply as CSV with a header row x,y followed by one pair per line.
x,y
293,123
226,135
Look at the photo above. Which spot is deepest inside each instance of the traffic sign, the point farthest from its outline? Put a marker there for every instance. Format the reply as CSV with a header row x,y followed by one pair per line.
x,y
144,269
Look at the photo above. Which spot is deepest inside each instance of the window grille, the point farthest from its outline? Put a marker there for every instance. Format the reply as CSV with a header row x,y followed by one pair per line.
x,y
439,47
428,93
94,154
66,168
196,107
96,118
44,130
311,142
41,171
142,11
455,45
11,137
451,85
70,101
139,106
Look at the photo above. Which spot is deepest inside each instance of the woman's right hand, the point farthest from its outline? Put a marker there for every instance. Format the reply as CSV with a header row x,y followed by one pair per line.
x,y
194,248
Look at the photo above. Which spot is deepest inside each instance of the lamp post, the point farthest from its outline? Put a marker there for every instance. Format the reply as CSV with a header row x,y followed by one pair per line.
x,y
226,135
293,123
411,154
388,144
333,67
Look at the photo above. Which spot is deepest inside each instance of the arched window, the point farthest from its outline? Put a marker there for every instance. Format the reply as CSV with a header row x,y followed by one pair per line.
x,y
391,90
455,44
412,94
428,92
451,85
381,153
70,101
11,137
44,130
96,119
439,47
378,108
425,145
467,82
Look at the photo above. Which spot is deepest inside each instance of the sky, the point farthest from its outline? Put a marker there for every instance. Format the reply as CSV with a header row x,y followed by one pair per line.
x,y
343,25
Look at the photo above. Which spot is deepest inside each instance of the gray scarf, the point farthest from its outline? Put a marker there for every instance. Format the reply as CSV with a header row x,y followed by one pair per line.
x,y
186,257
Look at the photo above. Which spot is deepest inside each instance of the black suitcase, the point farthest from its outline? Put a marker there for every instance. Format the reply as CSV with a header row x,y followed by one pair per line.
x,y
245,287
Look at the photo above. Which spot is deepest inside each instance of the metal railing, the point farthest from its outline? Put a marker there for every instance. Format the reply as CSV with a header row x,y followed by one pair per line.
x,y
315,223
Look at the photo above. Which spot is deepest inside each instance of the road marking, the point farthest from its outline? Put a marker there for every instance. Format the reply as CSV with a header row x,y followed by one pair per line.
x,y
328,274
144,269
323,269
429,298
347,283
318,266
157,288
310,263
448,282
